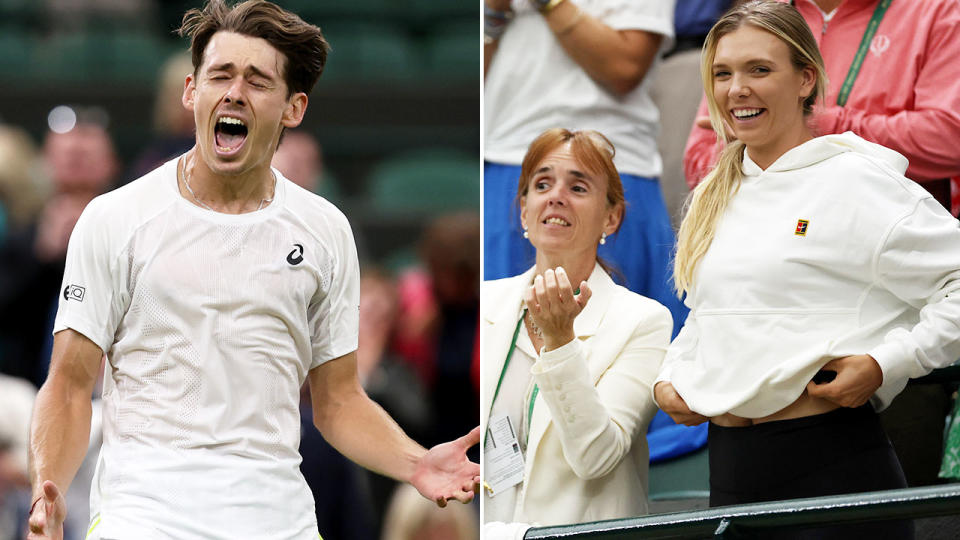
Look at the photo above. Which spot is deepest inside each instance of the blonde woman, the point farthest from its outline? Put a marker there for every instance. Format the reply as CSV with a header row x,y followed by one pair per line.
x,y
569,357
802,259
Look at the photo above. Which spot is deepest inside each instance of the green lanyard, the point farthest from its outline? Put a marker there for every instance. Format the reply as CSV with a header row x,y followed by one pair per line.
x,y
872,26
868,34
506,363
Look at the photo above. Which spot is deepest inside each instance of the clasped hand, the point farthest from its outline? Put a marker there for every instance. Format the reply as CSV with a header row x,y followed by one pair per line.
x,y
553,306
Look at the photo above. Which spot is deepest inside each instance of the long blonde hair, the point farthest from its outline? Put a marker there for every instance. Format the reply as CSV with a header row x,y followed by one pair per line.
x,y
708,201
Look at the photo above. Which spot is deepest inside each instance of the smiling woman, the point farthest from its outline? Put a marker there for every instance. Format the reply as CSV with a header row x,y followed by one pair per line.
x,y
801,255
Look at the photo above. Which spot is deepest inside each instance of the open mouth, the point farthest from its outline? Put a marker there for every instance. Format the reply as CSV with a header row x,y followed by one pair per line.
x,y
747,114
230,134
556,221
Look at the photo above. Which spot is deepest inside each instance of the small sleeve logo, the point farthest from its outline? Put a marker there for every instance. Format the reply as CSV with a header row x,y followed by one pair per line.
x,y
74,292
801,227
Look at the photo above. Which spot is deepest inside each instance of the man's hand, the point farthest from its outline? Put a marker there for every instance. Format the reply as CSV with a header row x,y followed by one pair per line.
x,y
674,405
46,521
445,473
858,377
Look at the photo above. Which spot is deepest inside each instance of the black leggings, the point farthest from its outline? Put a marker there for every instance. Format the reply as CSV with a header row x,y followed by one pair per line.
x,y
839,452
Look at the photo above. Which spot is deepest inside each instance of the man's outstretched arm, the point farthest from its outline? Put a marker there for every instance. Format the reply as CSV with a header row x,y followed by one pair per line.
x,y
60,429
361,430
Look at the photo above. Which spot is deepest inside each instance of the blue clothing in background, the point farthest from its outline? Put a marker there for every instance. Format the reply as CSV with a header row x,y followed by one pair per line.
x,y
668,439
696,17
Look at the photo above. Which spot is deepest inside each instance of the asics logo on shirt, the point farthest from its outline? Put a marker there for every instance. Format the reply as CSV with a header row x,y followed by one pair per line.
x,y
74,292
296,256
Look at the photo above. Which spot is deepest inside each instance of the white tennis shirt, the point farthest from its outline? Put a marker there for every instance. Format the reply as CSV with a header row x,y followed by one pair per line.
x,y
210,323
533,85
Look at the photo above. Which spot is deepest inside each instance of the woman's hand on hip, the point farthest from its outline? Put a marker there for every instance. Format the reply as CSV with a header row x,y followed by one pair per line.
x,y
674,405
553,306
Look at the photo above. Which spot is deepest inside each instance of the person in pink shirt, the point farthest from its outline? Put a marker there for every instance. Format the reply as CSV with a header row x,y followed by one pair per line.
x,y
906,96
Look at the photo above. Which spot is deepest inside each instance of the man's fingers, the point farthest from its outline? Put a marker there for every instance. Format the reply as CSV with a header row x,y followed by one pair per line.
x,y
50,491
470,439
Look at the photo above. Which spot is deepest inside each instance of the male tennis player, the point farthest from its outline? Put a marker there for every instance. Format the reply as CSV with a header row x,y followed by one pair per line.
x,y
215,286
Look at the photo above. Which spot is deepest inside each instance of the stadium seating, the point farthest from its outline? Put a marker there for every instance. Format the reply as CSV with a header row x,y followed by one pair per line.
x,y
370,51
425,181
452,53
682,483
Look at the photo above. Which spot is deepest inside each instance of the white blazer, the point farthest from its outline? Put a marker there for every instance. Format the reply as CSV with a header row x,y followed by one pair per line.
x,y
587,456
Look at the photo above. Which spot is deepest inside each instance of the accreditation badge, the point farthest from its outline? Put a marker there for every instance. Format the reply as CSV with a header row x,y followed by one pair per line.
x,y
502,458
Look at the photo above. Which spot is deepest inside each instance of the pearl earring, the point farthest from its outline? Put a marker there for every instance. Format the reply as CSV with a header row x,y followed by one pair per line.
x,y
603,238
525,234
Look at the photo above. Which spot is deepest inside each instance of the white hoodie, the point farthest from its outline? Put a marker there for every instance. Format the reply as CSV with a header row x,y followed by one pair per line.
x,y
874,270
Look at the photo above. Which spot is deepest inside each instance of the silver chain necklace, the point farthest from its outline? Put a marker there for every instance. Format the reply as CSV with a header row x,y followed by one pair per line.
x,y
186,182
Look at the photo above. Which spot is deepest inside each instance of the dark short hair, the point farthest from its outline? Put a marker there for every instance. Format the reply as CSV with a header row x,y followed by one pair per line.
x,y
301,43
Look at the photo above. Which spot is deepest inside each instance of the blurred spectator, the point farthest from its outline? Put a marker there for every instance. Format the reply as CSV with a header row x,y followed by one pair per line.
x,y
66,15
82,161
16,403
172,122
387,378
341,500
449,248
22,186
300,158
411,517
437,327
81,164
